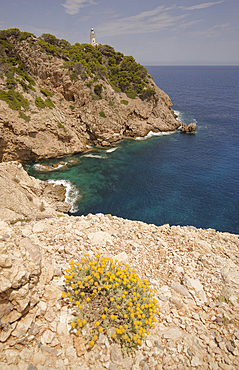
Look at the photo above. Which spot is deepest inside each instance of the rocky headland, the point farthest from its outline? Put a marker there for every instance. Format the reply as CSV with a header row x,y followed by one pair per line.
x,y
57,98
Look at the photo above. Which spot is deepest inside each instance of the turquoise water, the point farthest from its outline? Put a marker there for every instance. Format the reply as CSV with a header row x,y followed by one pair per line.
x,y
176,179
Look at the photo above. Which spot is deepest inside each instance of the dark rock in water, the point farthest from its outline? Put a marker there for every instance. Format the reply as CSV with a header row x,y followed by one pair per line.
x,y
191,128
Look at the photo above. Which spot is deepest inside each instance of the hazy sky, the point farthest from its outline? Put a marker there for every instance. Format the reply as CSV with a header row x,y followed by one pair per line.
x,y
153,31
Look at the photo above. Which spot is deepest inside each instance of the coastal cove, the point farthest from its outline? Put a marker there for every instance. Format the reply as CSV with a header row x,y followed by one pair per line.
x,y
171,178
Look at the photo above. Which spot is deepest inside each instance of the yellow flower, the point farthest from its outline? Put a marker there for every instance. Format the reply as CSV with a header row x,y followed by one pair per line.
x,y
72,285
84,322
100,330
91,343
72,324
96,283
112,299
103,317
70,299
97,323
113,335
76,292
105,309
95,337
82,294
87,299
63,294
78,332
77,303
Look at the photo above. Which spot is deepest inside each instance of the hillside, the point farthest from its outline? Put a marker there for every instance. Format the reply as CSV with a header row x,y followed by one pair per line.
x,y
57,98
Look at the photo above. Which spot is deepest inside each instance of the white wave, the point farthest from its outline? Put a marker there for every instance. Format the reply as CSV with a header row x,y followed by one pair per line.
x,y
42,167
179,116
151,134
72,193
94,156
111,150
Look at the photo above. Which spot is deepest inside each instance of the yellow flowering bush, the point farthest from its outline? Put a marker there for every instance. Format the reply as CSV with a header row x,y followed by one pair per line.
x,y
110,299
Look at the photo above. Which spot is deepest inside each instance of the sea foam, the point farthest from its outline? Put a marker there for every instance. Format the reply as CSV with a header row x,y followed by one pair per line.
x,y
42,168
151,134
72,193
111,150
94,156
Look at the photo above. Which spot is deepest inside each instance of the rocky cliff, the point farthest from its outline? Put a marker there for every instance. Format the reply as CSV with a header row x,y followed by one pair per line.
x,y
51,106
24,198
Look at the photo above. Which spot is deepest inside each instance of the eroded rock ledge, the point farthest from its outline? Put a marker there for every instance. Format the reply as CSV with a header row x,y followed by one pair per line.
x,y
24,197
195,274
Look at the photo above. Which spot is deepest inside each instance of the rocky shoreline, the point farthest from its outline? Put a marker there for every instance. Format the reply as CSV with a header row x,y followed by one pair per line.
x,y
195,273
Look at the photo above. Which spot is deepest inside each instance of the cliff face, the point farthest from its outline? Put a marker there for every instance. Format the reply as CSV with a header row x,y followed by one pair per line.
x,y
72,115
24,197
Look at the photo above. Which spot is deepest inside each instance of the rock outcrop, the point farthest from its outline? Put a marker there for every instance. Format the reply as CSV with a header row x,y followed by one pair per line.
x,y
194,274
24,197
188,129
74,119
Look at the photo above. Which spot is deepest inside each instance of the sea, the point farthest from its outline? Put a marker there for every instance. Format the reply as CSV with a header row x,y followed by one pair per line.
x,y
169,178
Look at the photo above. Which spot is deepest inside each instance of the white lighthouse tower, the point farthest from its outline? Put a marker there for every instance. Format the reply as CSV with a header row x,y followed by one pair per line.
x,y
92,37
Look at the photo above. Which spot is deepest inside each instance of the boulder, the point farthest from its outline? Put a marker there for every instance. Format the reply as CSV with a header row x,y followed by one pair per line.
x,y
188,129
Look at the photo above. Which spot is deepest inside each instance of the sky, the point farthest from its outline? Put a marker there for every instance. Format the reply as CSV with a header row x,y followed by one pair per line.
x,y
155,32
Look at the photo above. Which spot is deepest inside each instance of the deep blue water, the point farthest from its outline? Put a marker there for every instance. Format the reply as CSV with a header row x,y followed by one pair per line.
x,y
177,179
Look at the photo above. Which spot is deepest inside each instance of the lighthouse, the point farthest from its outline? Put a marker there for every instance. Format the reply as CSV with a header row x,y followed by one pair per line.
x,y
92,37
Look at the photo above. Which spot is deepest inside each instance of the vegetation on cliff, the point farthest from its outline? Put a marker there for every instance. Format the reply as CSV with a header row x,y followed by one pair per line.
x,y
71,96
83,61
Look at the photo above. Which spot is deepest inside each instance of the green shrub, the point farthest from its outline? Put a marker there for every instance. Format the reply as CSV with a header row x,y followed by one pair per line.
x,y
14,99
46,92
125,102
49,103
43,104
147,94
39,103
73,77
102,114
24,116
95,97
131,94
88,84
109,298
72,107
98,89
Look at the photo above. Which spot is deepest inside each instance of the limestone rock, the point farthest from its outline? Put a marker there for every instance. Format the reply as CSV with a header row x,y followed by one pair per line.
x,y
22,197
191,128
